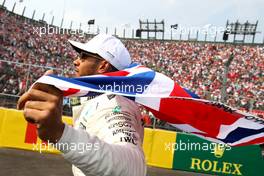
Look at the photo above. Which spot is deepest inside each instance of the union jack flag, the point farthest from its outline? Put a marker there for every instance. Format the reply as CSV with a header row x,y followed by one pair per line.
x,y
170,102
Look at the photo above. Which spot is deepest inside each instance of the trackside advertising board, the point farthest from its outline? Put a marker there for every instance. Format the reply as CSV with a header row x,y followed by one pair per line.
x,y
195,154
165,149
16,132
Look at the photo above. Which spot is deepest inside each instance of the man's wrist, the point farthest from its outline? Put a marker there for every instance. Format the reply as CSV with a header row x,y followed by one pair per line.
x,y
52,133
58,133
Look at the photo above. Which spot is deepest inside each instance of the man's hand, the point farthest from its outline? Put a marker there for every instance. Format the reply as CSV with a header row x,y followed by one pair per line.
x,y
43,105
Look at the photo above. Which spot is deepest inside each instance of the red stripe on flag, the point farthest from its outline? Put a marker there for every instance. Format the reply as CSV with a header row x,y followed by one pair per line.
x,y
179,91
31,134
200,115
164,117
70,91
141,66
117,73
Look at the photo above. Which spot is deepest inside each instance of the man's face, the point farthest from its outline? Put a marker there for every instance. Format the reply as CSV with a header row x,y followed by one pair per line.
x,y
86,64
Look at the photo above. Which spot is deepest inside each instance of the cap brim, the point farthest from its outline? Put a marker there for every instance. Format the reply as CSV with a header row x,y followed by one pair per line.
x,y
79,47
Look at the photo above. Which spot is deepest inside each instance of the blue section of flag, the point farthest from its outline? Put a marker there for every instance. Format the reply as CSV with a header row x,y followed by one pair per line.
x,y
75,81
241,133
192,94
134,64
130,85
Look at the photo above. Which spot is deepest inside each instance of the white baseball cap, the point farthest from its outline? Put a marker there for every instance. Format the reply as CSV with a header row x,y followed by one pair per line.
x,y
108,47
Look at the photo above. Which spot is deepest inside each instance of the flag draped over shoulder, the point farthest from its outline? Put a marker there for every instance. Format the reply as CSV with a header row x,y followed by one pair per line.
x,y
169,102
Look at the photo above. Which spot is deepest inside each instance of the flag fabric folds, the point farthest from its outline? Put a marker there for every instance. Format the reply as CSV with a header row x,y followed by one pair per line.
x,y
168,101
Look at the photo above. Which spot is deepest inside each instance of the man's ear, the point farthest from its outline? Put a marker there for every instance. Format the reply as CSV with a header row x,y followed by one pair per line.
x,y
103,67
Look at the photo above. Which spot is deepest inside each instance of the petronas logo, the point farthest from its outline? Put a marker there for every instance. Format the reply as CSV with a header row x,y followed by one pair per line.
x,y
117,109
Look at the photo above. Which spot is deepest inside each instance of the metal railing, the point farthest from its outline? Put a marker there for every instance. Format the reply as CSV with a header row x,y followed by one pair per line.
x,y
14,83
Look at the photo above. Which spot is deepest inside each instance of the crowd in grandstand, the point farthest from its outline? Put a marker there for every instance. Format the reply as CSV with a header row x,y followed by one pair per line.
x,y
194,65
200,67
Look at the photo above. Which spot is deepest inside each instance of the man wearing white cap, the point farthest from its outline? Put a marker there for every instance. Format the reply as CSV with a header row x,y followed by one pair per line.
x,y
108,134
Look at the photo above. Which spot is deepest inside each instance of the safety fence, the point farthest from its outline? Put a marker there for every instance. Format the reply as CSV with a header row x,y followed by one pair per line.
x,y
162,148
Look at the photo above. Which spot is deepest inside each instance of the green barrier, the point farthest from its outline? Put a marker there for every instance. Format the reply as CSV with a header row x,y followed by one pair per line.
x,y
197,155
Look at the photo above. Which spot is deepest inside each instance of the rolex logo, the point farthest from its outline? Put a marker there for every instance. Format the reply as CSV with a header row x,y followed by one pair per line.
x,y
219,150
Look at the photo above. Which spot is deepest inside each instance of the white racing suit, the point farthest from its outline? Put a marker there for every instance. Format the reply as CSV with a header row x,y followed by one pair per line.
x,y
106,139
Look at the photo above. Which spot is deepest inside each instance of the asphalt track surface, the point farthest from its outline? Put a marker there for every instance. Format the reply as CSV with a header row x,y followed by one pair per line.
x,y
15,162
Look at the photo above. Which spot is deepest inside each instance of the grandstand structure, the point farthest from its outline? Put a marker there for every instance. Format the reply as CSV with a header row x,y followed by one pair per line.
x,y
151,27
244,29
199,66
